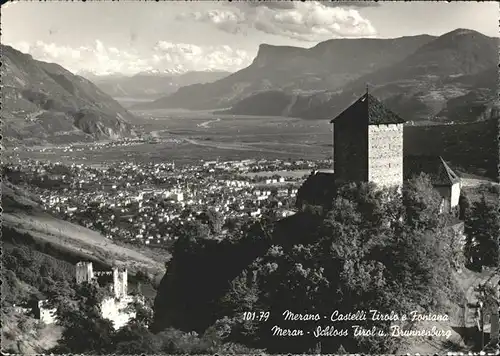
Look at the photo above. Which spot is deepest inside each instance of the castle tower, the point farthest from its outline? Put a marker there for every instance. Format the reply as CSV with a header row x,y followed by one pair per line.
x,y
368,144
84,272
116,283
124,282
120,283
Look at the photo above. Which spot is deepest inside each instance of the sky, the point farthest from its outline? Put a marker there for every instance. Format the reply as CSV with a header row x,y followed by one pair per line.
x,y
129,37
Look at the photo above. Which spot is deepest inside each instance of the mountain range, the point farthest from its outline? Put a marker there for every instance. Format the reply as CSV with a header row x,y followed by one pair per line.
x,y
420,77
43,102
328,65
450,78
152,85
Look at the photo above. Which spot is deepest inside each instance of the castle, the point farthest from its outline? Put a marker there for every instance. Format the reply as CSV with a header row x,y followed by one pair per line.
x,y
84,272
368,146
112,308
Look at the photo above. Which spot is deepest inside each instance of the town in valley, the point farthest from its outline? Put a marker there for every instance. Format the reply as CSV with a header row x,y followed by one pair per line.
x,y
250,178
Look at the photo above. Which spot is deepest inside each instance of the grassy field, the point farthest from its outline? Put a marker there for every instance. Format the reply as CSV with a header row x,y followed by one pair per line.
x,y
79,240
188,137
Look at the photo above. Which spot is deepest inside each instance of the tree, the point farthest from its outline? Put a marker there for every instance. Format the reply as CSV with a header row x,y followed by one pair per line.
x,y
483,230
12,290
422,203
464,206
214,220
143,276
143,312
380,208
85,330
355,255
60,294
193,230
134,338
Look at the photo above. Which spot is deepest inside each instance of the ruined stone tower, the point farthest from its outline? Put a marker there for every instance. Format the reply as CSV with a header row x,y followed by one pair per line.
x,y
120,283
84,272
368,144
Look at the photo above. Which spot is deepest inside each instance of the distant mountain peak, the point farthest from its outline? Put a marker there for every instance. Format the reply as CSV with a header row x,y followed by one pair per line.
x,y
464,41
46,102
154,84
342,67
165,72
463,31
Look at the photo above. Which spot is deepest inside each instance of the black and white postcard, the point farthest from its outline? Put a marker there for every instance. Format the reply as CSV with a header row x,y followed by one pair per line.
x,y
250,177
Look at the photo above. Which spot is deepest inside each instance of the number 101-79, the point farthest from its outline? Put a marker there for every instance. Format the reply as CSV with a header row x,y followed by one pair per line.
x,y
260,316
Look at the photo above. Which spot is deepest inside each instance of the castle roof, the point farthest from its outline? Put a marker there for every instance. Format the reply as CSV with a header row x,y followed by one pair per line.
x,y
371,107
435,166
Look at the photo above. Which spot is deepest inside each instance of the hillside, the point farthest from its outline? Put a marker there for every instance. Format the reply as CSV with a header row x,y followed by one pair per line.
x,y
470,147
26,336
150,86
480,104
326,66
319,263
45,102
451,78
25,223
424,85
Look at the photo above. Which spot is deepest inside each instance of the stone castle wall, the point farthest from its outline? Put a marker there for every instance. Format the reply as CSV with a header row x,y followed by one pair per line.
x,y
120,283
45,314
350,151
114,310
455,194
451,196
385,154
124,283
84,272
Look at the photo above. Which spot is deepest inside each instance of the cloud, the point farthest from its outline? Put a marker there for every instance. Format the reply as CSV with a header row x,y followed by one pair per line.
x,y
194,57
290,4
226,20
164,56
306,21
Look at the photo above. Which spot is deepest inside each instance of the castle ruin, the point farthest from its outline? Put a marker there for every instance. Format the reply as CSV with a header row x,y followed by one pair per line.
x,y
120,283
112,308
84,272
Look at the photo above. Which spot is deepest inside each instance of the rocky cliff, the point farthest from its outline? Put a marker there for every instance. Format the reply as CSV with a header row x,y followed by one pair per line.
x,y
451,78
328,65
45,102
